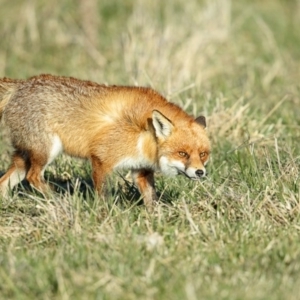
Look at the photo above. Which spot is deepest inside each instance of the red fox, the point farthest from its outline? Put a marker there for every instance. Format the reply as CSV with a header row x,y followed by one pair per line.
x,y
114,126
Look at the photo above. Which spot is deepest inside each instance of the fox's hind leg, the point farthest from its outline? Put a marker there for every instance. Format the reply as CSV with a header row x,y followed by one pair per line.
x,y
144,179
35,175
39,159
16,172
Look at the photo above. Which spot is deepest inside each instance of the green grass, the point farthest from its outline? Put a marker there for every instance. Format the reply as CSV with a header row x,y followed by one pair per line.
x,y
235,235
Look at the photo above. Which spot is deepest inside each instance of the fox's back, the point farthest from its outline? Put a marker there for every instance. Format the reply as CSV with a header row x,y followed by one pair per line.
x,y
61,100
81,112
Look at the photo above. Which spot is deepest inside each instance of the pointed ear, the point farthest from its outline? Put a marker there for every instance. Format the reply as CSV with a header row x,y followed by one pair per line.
x,y
163,126
201,121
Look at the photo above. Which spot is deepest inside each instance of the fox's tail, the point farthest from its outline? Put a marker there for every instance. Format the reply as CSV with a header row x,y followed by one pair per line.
x,y
7,88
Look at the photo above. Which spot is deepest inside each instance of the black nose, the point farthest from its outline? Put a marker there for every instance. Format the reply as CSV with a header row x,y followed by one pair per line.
x,y
199,173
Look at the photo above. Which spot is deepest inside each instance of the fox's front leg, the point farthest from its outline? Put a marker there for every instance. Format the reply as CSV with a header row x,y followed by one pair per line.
x,y
144,179
99,170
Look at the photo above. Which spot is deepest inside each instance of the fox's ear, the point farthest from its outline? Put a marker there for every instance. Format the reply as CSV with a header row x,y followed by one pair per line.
x,y
163,126
201,121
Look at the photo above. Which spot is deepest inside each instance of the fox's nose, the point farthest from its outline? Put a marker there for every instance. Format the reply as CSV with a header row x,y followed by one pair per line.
x,y
200,173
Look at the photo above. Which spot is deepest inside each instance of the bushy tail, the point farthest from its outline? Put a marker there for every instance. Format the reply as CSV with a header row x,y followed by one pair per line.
x,y
7,87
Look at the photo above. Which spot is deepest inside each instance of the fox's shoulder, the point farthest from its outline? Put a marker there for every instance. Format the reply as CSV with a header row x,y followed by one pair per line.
x,y
140,102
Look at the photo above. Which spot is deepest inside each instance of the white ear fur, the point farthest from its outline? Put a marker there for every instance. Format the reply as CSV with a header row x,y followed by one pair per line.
x,y
163,126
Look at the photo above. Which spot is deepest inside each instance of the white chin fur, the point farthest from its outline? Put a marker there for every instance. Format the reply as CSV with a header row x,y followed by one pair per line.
x,y
170,167
174,167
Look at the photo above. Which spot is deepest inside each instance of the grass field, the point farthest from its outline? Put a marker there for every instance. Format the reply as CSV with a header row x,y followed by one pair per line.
x,y
236,234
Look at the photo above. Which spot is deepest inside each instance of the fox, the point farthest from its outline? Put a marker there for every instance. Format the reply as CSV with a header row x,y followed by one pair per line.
x,y
115,127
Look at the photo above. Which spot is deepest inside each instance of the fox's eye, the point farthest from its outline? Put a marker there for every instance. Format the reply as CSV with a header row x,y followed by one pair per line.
x,y
183,154
203,154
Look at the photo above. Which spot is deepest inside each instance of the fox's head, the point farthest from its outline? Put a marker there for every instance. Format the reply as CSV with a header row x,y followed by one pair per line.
x,y
181,149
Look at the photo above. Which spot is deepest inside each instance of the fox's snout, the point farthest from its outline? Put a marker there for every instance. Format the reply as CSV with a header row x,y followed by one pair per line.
x,y
200,173
194,174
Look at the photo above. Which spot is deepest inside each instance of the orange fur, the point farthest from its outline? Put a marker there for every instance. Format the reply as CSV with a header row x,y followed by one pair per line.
x,y
113,126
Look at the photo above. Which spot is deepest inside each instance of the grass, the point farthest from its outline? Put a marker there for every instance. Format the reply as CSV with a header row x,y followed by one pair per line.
x,y
234,235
